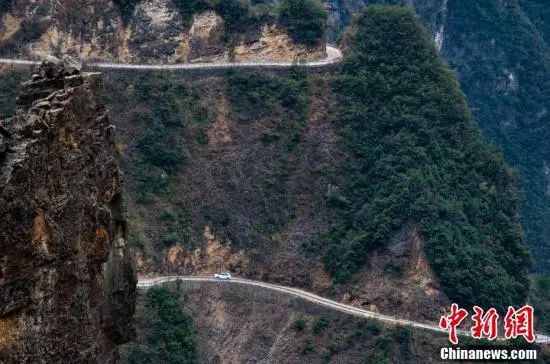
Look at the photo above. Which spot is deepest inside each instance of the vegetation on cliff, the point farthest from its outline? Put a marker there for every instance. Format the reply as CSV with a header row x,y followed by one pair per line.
x,y
11,80
304,20
169,118
415,157
539,297
237,14
5,6
253,96
170,122
502,54
126,7
166,333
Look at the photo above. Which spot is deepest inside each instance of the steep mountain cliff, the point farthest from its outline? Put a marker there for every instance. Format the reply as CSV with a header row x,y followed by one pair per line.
x,y
154,31
67,283
272,176
501,51
369,183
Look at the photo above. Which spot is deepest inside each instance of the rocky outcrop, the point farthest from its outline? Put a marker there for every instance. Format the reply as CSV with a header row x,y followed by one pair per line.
x,y
400,280
215,256
67,282
274,44
153,32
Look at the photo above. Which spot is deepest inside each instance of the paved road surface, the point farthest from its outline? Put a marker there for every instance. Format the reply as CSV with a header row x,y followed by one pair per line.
x,y
333,56
145,283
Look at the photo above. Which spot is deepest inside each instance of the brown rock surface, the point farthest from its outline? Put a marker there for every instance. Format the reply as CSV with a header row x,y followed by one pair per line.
x,y
153,32
67,282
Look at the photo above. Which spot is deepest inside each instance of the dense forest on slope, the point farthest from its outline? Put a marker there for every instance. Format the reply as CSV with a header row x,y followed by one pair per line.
x,y
278,168
502,55
415,156
501,51
166,332
539,297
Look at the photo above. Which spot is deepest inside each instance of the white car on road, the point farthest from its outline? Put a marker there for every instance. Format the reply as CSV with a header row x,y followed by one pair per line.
x,y
224,275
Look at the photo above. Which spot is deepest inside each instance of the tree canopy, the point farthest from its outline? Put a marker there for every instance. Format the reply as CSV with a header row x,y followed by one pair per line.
x,y
305,20
416,158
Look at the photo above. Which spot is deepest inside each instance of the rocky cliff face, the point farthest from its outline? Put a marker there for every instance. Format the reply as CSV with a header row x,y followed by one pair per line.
x,y
433,13
67,284
153,32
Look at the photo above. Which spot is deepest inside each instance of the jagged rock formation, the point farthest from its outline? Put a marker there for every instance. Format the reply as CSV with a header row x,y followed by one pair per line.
x,y
67,283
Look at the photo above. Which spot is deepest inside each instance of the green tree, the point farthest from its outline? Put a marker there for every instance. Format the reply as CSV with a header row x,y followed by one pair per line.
x,y
539,297
5,6
126,8
415,157
304,20
166,333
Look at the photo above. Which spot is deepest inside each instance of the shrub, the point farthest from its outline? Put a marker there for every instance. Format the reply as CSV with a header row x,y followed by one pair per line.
x,y
395,270
235,13
176,226
126,8
374,327
5,6
304,20
539,297
299,324
155,151
188,8
254,96
402,336
150,182
307,347
320,325
166,333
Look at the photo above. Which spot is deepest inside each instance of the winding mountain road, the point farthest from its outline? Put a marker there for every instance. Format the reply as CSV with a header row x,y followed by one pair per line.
x,y
334,55
145,283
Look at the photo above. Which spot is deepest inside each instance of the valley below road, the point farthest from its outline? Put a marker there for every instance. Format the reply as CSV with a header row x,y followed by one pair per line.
x,y
147,282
